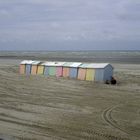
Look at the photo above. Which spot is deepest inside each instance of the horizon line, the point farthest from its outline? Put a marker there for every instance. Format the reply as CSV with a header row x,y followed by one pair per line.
x,y
64,50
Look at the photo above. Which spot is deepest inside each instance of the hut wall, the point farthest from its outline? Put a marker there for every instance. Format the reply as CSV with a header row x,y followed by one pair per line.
x,y
34,69
59,71
46,70
52,71
73,72
22,69
90,74
99,74
81,74
40,69
65,72
28,69
108,73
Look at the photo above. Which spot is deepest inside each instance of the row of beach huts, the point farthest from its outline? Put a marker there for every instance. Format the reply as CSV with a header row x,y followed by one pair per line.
x,y
99,72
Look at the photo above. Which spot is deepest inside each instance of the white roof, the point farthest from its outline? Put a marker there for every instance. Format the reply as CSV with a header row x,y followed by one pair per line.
x,y
36,62
68,64
53,64
83,65
72,64
27,62
97,65
75,64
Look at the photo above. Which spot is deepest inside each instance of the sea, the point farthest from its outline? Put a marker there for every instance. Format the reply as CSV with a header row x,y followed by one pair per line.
x,y
126,57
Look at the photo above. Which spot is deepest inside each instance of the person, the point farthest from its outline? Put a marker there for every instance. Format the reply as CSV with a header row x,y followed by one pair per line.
x,y
113,81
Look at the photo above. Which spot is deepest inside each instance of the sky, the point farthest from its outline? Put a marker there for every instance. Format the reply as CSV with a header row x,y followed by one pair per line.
x,y
69,24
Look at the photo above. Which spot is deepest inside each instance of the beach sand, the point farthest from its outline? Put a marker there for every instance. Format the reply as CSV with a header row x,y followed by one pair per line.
x,y
49,108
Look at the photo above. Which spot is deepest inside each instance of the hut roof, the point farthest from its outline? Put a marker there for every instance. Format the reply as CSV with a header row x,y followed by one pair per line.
x,y
72,64
54,64
94,65
67,64
83,65
98,65
36,62
27,62
75,64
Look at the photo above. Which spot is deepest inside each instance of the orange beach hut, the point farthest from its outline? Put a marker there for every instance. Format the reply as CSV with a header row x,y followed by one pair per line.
x,y
35,67
22,68
66,69
82,71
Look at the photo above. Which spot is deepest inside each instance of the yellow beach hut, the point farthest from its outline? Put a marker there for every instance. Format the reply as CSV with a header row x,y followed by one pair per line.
x,y
40,68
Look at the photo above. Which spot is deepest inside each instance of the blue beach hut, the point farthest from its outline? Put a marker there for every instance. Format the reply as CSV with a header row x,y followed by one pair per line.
x,y
73,73
28,67
103,71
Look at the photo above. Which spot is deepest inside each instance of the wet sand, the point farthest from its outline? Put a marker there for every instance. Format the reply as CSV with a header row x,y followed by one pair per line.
x,y
47,108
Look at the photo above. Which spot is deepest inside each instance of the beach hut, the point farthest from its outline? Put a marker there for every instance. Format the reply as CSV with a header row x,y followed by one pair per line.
x,y
50,68
73,73
28,67
22,68
66,69
103,71
90,73
99,72
59,69
82,71
40,68
53,68
35,67
46,68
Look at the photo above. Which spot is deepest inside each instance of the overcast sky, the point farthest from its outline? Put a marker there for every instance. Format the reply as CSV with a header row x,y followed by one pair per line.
x,y
69,24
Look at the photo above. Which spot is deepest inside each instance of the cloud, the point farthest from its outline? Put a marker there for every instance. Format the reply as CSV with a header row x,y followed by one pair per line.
x,y
69,20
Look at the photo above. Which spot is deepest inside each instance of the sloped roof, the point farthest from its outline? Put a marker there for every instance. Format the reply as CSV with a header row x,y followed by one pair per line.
x,y
98,65
53,64
72,64
95,65
36,62
84,65
27,62
75,64
67,64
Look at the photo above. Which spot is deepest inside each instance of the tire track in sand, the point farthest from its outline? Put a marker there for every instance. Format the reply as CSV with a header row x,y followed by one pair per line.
x,y
107,116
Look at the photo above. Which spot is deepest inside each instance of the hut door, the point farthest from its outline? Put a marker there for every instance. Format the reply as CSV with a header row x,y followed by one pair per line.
x,y
28,69
52,71
90,74
34,69
40,70
65,72
22,69
81,74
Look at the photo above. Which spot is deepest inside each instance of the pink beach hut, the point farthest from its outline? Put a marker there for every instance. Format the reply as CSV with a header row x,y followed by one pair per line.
x,y
59,68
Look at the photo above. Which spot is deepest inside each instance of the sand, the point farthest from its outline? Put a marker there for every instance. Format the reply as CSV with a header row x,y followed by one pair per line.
x,y
49,108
